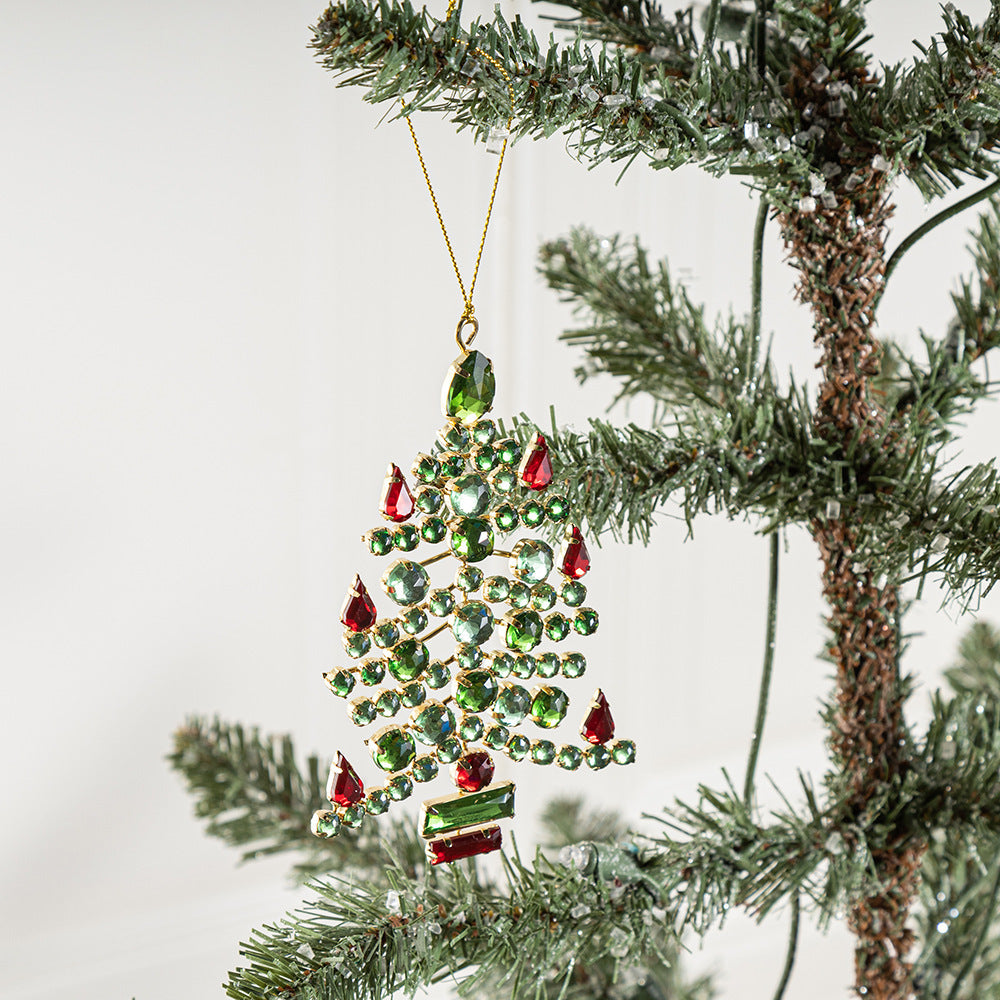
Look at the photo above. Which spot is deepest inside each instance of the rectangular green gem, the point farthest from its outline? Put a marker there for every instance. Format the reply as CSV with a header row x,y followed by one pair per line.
x,y
451,812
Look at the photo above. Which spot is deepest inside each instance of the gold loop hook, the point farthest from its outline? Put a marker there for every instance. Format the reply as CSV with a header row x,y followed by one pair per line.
x,y
465,321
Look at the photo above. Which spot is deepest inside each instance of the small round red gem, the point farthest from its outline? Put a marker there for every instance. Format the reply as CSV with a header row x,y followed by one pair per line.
x,y
473,771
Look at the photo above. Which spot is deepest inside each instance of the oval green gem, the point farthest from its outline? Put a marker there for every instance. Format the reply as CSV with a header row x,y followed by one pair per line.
x,y
377,801
380,541
362,711
547,665
503,481
407,537
409,659
413,694
598,756
472,539
470,728
469,388
433,723
472,623
433,529
511,705
449,750
531,560
524,631
469,496
469,578
475,690
496,737
548,706
543,596
585,621
406,582
424,769
623,752
438,674
393,749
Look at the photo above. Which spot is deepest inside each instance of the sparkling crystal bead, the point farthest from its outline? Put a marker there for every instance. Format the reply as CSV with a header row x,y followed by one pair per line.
x,y
573,593
484,432
470,728
432,723
438,674
506,518
473,771
485,458
353,816
399,787
387,704
440,603
358,610
425,769
543,596
509,451
548,706
599,726
598,756
511,705
362,711
503,481
433,529
454,437
519,595
531,560
472,539
429,500
524,631
386,634
371,673
397,500
472,623
380,541
469,388
623,752
569,757
535,470
547,665
517,747
585,621
465,845
452,465
496,737
469,496
340,682
413,621
468,657
344,787
406,582
325,823
524,666
532,513
557,626
407,537
469,578
557,509
573,664
475,690
413,695
356,644
408,660
496,588
449,750
576,558
425,468
392,749
376,801
543,751
501,664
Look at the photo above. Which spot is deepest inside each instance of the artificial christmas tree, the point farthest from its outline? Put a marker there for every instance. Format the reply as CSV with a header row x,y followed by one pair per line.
x,y
903,842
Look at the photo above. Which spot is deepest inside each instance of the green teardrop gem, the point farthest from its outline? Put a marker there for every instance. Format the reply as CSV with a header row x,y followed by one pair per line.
x,y
469,388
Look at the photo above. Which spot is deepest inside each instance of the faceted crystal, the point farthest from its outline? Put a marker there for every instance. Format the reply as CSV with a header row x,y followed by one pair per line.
x,y
502,664
517,747
399,787
469,578
425,769
470,728
623,752
469,496
475,690
598,756
413,621
468,657
469,388
519,594
472,539
387,704
543,596
344,787
473,772
472,623
392,749
547,665
407,537
425,468
556,509
509,451
535,470
376,801
496,737
543,751
466,845
569,757
585,621
406,582
358,611
432,723
576,558
524,666
433,529
548,706
532,513
598,726
504,481
573,593
531,560
452,812
397,500
372,672
380,541
506,518
573,664
557,626
340,682
386,634
449,750
353,816
413,694
325,823
441,602
452,465
485,458
496,588
362,711
409,659
356,644
454,437
524,631
484,431
511,705
438,674
429,500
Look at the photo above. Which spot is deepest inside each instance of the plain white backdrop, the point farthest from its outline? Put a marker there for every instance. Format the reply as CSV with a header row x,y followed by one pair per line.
x,y
225,307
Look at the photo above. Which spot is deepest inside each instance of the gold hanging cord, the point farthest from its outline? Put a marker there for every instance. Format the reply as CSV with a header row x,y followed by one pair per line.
x,y
468,317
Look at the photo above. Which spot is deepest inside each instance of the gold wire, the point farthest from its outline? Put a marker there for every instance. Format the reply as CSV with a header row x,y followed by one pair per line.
x,y
468,311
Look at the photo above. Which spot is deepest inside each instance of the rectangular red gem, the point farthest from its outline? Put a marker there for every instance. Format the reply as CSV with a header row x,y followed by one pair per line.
x,y
465,845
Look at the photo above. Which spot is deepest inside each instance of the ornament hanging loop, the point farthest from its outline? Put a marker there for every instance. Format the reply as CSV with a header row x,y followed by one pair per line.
x,y
466,342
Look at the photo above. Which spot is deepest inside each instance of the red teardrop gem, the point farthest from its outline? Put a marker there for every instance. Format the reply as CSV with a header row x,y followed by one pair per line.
x,y
344,787
576,558
358,611
598,727
536,469
473,771
397,500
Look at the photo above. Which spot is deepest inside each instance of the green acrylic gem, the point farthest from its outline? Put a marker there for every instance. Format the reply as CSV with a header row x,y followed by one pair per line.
x,y
557,509
472,623
524,631
449,750
557,626
454,437
413,694
531,560
503,481
409,659
484,431
386,634
548,706
362,711
623,752
452,465
469,496
387,704
433,529
425,468
547,665
406,582
574,664
501,664
399,787
585,621
505,517
392,749
413,621
475,690
356,644
543,596
438,674
511,705
432,723
470,728
517,747
429,500
469,388
377,801
532,513
598,756
325,823
424,769
524,666
468,657
372,672
543,751
509,451
496,588
519,595
472,539
573,593
353,816
380,541
496,737
340,682
569,757
452,812
407,537
469,578
441,602
484,458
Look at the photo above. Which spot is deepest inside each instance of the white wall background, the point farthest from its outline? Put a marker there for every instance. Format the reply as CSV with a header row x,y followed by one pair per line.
x,y
225,306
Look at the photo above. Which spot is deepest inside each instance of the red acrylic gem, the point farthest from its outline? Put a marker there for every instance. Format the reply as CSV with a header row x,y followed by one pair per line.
x,y
397,500
576,558
473,771
344,787
358,612
465,845
598,727
536,469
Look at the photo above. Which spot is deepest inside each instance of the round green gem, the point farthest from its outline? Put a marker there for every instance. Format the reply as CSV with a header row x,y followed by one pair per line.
x,y
623,752
407,537
441,602
392,749
598,756
484,458
449,750
557,509
386,634
519,595
454,437
585,621
484,431
503,481
469,578
469,496
496,737
573,664
475,690
496,588
425,468
531,560
509,451
413,694
429,500
432,723
372,672
548,706
362,711
543,596
380,541
424,769
472,623
569,757
524,666
532,513
438,674
573,593
557,626
387,704
376,801
433,529
472,540
406,582
511,705
356,644
505,517
502,664
452,465
414,621
543,751
409,659
524,631
340,682
470,728
399,787
468,657
517,747
547,665
353,816
325,823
